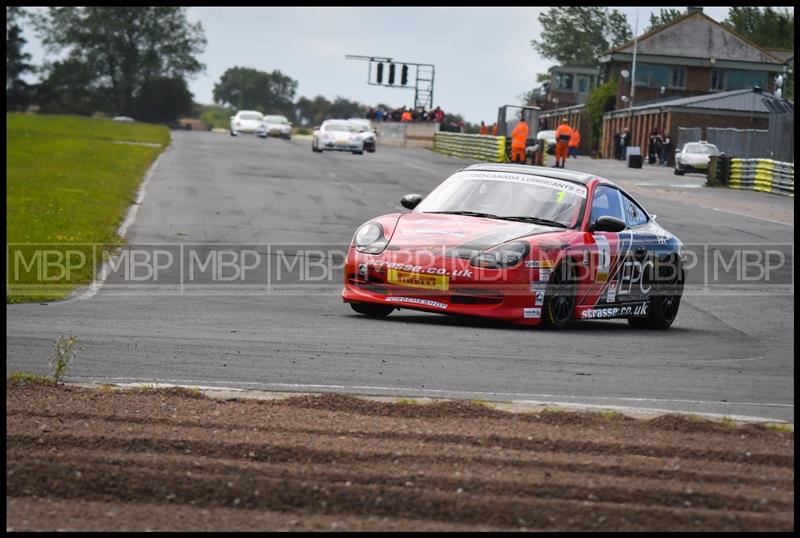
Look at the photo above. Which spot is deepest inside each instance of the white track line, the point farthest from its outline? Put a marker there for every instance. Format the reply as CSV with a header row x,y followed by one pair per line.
x,y
312,387
99,279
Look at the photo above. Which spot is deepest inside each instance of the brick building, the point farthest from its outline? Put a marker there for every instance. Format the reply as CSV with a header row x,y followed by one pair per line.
x,y
741,109
693,55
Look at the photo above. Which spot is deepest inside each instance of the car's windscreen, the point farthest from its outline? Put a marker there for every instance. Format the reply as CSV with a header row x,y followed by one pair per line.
x,y
275,119
701,148
256,117
508,196
344,127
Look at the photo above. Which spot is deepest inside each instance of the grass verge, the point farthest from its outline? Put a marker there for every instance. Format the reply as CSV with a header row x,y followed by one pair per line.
x,y
70,180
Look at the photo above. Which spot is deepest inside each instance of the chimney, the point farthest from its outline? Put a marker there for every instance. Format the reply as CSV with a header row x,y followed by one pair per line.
x,y
692,10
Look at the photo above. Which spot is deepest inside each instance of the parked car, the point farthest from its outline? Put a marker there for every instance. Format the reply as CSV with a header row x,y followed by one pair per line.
x,y
278,126
694,157
522,244
550,138
367,132
248,122
337,135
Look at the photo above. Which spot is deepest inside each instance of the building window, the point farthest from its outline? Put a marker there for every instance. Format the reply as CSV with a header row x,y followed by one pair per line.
x,y
583,84
678,77
563,81
657,75
717,80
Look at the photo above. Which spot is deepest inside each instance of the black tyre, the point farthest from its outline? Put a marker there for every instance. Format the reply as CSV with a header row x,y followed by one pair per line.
x,y
358,152
233,134
559,301
664,304
678,171
372,310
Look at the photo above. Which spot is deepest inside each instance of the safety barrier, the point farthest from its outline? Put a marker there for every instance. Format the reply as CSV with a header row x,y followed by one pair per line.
x,y
481,147
763,175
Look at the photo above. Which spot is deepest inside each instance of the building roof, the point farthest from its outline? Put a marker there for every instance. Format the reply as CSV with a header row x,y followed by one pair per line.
x,y
745,100
696,35
783,54
575,69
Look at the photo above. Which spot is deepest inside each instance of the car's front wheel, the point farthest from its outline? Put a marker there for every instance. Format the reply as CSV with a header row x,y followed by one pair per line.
x,y
678,171
358,152
559,300
233,133
372,310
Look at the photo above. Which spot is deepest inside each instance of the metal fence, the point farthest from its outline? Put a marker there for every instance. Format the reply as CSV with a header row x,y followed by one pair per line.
x,y
741,143
781,137
688,134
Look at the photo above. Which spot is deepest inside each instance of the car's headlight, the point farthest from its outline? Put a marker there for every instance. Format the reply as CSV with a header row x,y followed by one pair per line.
x,y
370,239
501,256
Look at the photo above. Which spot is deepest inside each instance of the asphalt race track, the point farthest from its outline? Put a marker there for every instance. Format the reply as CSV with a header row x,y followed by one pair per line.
x,y
728,352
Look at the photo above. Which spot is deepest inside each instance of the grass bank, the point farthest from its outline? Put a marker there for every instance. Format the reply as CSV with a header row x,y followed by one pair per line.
x,y
70,180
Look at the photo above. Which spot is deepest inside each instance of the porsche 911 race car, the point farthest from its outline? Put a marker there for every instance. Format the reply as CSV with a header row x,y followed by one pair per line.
x,y
523,244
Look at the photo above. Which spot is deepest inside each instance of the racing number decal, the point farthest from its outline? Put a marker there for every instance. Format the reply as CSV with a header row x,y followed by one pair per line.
x,y
603,259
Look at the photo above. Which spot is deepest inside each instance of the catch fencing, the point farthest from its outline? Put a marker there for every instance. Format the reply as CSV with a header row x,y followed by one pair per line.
x,y
480,147
763,175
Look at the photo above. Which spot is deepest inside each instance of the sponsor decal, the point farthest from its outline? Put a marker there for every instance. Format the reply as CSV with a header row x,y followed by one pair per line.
x,y
418,280
419,269
539,264
612,292
538,286
415,300
632,277
544,275
639,310
551,183
531,313
362,270
603,259
538,298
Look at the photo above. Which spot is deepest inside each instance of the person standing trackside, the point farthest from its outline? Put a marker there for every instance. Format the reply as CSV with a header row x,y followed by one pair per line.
x,y
574,140
405,116
519,137
494,129
563,134
484,130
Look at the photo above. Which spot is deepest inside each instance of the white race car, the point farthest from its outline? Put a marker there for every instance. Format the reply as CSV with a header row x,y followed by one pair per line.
x,y
248,122
337,135
694,157
367,132
278,126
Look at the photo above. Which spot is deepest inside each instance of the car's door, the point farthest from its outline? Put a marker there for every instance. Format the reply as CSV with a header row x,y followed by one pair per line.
x,y
603,248
634,278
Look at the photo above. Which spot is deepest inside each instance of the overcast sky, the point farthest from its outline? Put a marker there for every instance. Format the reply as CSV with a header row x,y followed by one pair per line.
x,y
483,56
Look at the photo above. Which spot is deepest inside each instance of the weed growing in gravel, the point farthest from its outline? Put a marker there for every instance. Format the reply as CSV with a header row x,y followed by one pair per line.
x,y
27,376
778,427
63,356
482,403
729,422
406,401
610,415
105,387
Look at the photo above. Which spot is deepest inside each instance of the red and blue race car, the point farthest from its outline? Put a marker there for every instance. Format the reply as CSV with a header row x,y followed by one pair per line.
x,y
522,244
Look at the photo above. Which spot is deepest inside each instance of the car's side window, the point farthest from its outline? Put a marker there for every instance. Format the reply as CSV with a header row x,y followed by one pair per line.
x,y
634,215
606,202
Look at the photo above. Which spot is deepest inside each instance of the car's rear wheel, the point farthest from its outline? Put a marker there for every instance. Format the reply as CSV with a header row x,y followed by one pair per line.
x,y
359,152
372,310
664,306
559,300
233,134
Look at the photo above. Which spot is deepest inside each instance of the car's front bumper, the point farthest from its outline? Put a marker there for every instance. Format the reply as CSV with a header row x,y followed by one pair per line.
x,y
446,286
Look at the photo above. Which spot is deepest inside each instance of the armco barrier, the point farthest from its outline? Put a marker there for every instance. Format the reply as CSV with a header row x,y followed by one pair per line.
x,y
480,147
763,175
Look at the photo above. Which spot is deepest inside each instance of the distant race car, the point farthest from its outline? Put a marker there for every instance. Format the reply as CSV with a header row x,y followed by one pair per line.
x,y
694,157
367,132
248,122
278,126
337,135
523,244
550,138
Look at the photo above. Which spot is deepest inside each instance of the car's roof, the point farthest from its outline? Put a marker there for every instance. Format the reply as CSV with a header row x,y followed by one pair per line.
x,y
543,171
250,112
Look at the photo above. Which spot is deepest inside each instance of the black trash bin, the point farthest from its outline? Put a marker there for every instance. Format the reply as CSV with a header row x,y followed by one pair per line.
x,y
634,161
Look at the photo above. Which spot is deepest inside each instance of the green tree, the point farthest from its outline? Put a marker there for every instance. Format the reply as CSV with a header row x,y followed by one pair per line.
x,y
765,27
164,99
123,49
17,90
578,35
664,17
70,88
600,100
246,88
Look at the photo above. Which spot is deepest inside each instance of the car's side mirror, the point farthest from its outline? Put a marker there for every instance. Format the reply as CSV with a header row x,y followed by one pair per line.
x,y
608,223
410,201
233,117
